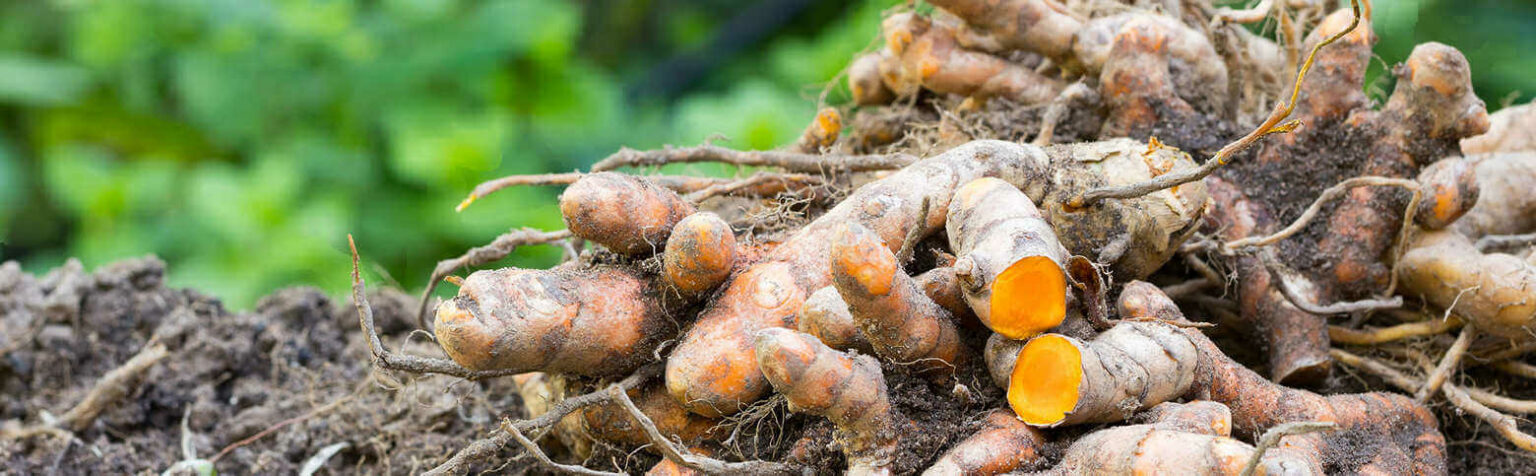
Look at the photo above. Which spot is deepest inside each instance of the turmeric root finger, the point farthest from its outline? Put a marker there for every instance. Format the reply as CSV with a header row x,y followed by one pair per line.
x,y
699,254
1142,86
1001,354
935,60
582,321
626,214
1431,109
897,318
942,285
822,131
1002,445
1505,204
849,390
712,371
826,316
1148,449
1509,130
1405,431
1297,341
1199,416
1450,188
1495,291
610,422
1040,26
1059,380
1010,262
864,80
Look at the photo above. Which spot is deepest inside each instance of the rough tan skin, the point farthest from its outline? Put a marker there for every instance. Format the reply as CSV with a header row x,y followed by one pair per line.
x,y
932,57
1156,71
1003,444
711,370
626,214
1041,26
900,322
1157,222
1510,130
847,389
597,321
992,226
826,316
1176,438
1001,354
699,254
611,423
1129,367
1450,189
1496,291
1505,204
1404,433
864,80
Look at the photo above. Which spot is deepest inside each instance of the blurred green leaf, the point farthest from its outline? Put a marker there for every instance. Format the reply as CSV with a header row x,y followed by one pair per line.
x,y
35,81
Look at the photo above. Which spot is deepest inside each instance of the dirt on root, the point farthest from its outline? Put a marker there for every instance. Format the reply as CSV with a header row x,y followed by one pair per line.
x,y
228,377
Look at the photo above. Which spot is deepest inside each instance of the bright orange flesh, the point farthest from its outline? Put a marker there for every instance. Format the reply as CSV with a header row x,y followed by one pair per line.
x,y
1028,298
1044,385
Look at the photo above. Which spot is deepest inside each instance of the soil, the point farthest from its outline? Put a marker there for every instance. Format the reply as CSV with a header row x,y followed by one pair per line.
x,y
228,376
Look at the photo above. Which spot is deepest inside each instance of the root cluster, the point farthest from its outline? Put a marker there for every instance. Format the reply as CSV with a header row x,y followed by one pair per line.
x,y
1169,187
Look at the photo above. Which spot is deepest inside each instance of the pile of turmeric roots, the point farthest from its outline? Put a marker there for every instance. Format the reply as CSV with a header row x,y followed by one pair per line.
x,y
900,293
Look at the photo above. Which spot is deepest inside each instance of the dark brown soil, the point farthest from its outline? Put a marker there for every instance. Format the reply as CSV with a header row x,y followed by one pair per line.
x,y
230,375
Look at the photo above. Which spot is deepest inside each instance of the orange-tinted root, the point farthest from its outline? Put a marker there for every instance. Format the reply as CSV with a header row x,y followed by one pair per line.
x,y
1149,449
1403,433
668,467
1157,71
936,60
596,321
699,254
1450,190
943,286
827,317
1040,26
610,422
900,322
1431,109
1509,130
865,82
847,389
712,371
1332,89
822,132
1199,416
1003,444
1505,204
626,214
1010,262
1297,341
1059,380
1495,291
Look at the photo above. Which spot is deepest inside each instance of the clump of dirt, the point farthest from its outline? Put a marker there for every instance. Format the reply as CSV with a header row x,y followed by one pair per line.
x,y
230,376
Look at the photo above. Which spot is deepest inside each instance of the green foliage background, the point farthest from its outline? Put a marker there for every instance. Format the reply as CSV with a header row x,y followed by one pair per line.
x,y
241,140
